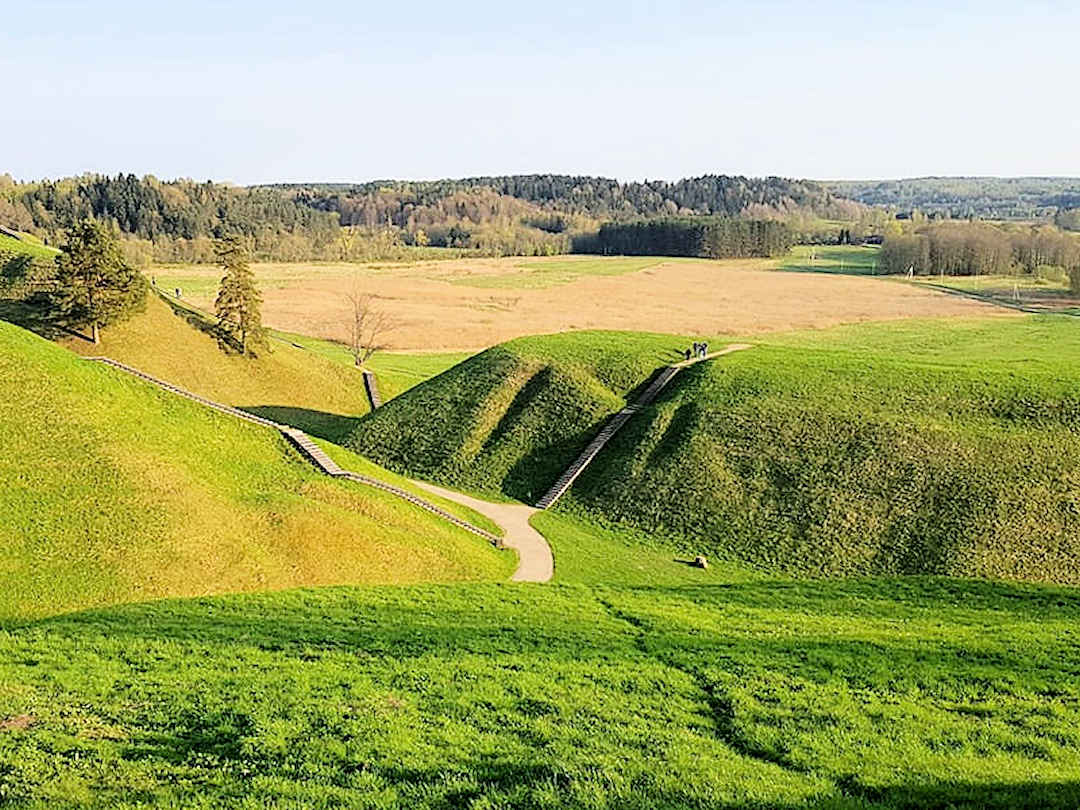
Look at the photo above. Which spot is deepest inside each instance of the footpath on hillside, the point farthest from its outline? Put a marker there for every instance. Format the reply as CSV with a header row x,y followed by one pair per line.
x,y
535,560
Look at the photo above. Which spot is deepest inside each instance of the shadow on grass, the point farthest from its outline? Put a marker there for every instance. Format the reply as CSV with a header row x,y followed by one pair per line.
x,y
33,316
333,427
202,322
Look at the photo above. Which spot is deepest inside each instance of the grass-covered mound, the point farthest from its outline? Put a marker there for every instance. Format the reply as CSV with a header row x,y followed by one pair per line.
x,y
113,490
831,461
511,418
287,384
848,695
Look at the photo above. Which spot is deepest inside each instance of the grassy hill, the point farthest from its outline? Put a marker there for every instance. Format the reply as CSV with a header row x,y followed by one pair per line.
x,y
509,419
842,695
945,448
111,491
27,245
288,384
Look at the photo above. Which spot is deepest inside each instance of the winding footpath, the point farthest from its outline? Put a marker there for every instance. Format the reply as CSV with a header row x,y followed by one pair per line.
x,y
535,560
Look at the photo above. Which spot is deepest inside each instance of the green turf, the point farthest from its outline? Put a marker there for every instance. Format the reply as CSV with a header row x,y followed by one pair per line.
x,y
918,447
916,693
509,419
845,259
352,462
114,490
396,372
288,385
590,554
28,245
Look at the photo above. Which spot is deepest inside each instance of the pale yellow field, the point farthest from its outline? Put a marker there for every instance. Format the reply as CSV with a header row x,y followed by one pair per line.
x,y
474,303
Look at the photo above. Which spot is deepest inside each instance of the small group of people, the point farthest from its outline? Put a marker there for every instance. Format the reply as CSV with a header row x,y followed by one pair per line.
x,y
699,350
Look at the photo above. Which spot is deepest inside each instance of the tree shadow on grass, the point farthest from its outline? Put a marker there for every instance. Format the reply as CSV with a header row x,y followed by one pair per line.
x,y
333,427
32,315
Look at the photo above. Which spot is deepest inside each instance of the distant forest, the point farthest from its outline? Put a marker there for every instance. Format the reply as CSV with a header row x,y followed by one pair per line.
x,y
177,220
971,197
521,215
594,197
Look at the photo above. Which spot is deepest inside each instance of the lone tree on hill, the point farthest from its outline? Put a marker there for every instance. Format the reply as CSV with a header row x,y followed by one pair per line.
x,y
94,286
238,299
367,326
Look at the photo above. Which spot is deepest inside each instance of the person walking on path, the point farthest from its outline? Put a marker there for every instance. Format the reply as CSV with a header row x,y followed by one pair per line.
x,y
688,353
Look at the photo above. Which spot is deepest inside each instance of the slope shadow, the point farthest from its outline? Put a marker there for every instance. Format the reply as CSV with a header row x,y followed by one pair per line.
x,y
333,427
34,317
202,322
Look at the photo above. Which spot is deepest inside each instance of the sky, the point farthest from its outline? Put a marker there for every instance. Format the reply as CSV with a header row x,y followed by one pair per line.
x,y
253,92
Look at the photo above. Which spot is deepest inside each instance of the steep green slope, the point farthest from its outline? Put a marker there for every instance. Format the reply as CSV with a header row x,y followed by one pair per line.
x,y
824,463
287,384
849,695
509,419
112,490
924,447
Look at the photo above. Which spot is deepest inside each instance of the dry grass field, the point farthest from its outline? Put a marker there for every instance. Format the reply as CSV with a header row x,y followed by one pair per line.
x,y
474,303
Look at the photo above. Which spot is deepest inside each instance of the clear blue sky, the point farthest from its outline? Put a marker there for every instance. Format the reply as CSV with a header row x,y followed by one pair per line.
x,y
290,91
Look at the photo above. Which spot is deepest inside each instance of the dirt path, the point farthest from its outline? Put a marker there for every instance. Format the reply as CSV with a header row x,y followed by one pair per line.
x,y
535,561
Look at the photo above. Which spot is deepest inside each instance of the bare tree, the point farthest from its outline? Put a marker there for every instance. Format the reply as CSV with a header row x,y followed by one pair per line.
x,y
368,326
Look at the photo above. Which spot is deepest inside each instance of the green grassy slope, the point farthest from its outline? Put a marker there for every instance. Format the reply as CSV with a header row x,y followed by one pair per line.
x,y
824,463
509,419
287,385
28,245
396,372
112,490
923,447
846,695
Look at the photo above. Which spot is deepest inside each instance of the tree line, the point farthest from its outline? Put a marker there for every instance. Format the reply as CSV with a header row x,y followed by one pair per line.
x,y
978,248
712,237
969,197
595,197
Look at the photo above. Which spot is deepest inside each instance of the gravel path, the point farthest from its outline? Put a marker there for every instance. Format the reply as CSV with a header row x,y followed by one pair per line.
x,y
535,561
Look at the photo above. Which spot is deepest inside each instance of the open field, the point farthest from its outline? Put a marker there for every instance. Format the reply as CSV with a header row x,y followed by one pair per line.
x,y
844,259
1031,293
851,695
439,307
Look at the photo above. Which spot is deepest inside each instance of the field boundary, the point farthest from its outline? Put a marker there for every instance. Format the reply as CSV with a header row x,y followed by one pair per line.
x,y
660,380
989,299
307,448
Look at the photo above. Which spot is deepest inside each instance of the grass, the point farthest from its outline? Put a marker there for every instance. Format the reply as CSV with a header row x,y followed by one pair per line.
x,y
856,260
348,460
28,245
396,372
509,419
589,554
897,449
854,694
287,385
112,490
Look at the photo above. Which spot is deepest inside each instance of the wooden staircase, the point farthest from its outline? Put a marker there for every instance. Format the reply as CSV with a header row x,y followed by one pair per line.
x,y
308,448
613,426
371,385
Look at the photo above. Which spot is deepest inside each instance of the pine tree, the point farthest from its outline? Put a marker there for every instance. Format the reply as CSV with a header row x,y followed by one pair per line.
x,y
238,299
93,285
